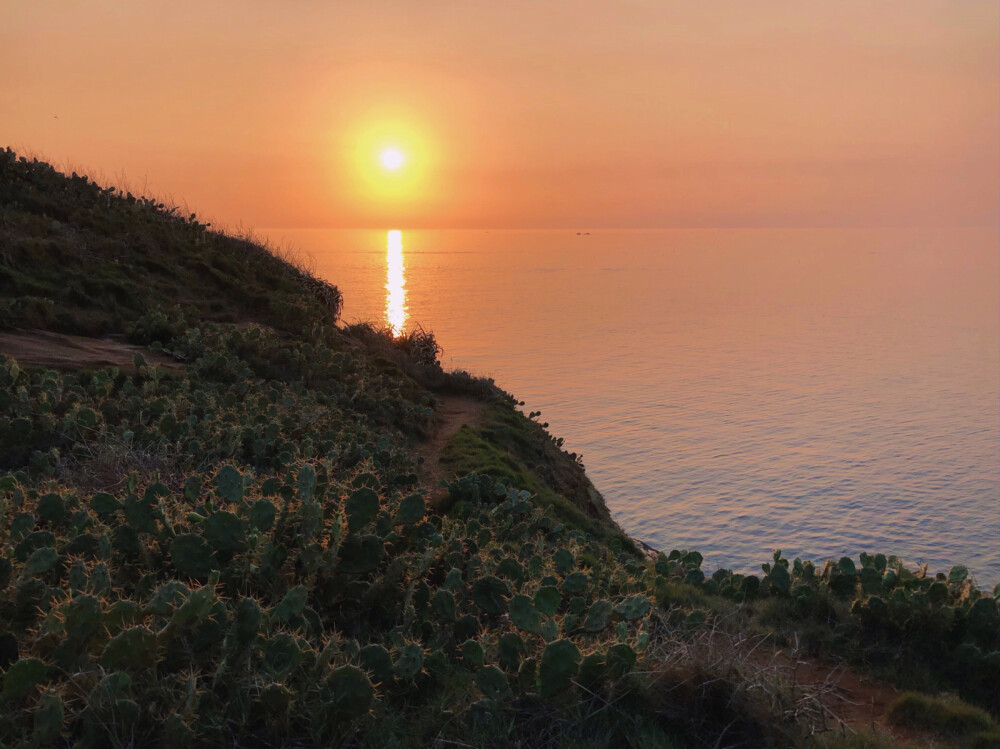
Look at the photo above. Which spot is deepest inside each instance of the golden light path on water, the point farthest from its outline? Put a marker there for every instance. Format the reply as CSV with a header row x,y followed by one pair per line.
x,y
395,283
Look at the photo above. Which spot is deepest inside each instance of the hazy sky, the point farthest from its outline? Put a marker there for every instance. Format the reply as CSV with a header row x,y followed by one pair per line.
x,y
519,114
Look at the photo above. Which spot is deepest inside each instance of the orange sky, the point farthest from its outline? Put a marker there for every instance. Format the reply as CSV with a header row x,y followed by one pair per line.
x,y
519,114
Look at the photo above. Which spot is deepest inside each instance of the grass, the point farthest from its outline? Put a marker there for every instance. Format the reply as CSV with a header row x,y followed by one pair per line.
x,y
518,451
79,258
946,716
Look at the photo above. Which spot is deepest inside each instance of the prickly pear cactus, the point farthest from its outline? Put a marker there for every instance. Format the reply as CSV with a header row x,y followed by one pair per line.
x,y
377,661
352,691
473,654
360,555
524,615
291,605
48,719
84,619
361,507
633,607
191,555
23,676
281,654
564,561
490,594
224,532
411,510
575,583
306,482
229,484
408,661
547,599
443,605
510,649
560,663
492,682
133,649
262,515
592,671
247,622
598,616
40,562
52,510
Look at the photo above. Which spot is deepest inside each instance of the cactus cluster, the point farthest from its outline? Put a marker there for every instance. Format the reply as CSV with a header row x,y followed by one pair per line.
x,y
328,617
942,620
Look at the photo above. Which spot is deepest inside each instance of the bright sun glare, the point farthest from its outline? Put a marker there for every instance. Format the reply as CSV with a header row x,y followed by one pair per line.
x,y
392,159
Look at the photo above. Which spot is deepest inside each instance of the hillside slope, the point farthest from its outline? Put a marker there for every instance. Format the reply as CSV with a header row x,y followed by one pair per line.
x,y
237,534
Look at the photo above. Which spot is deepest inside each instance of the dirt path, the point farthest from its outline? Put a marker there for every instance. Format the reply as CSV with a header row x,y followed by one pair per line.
x,y
826,694
451,414
70,352
851,700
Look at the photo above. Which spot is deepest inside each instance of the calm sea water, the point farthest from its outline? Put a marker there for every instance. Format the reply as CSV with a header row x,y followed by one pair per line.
x,y
825,392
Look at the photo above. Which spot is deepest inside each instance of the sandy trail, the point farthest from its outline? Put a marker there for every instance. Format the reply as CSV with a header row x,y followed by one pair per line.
x,y
70,352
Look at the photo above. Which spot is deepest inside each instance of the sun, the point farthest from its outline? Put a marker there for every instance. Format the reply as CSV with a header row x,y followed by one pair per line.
x,y
392,159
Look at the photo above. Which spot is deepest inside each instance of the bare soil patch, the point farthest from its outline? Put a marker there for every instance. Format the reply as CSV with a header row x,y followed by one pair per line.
x,y
851,701
72,352
452,412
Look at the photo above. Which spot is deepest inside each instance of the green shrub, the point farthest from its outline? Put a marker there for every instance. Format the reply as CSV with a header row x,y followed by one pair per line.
x,y
946,716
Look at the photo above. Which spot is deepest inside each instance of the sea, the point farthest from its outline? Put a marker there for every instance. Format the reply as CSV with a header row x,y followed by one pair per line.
x,y
820,391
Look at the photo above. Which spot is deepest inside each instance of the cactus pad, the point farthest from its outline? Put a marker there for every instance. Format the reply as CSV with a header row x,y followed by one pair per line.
x,y
262,515
229,484
224,531
524,615
306,482
41,561
411,510
560,663
547,599
576,582
492,682
48,719
598,616
352,691
443,605
280,654
291,605
377,661
23,676
490,594
564,561
408,661
633,607
361,507
191,555
620,659
131,649
510,650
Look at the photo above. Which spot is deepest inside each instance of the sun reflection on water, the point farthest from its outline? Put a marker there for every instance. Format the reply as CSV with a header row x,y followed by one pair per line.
x,y
395,283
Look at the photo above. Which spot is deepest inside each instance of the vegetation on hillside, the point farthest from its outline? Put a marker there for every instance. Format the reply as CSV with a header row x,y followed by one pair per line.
x,y
79,258
244,551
